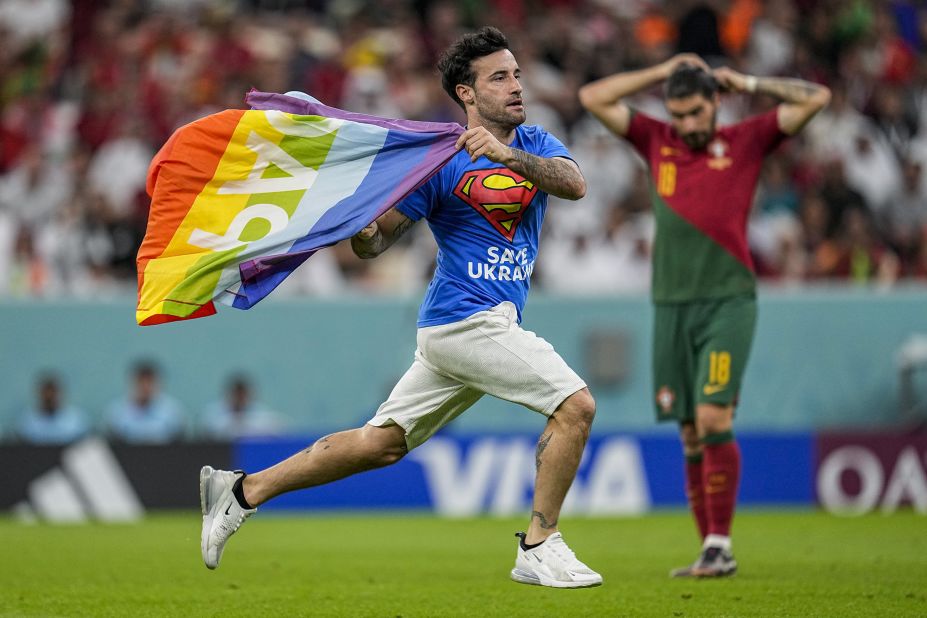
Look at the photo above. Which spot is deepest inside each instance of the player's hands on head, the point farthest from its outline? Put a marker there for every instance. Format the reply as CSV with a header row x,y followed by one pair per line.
x,y
479,142
693,59
730,80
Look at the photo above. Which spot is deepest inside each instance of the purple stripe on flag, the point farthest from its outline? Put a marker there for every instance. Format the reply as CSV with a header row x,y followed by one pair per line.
x,y
435,158
291,105
253,270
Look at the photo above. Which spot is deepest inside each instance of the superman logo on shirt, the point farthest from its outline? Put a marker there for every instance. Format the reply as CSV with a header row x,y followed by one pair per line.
x,y
498,194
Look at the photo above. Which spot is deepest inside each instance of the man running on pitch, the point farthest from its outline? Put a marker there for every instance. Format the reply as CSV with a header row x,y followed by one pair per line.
x,y
485,209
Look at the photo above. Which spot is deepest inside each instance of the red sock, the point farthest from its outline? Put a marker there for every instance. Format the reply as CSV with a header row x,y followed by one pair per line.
x,y
695,493
721,474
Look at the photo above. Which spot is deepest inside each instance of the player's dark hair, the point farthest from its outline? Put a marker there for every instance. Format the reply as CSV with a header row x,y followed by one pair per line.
x,y
687,80
146,368
455,63
238,381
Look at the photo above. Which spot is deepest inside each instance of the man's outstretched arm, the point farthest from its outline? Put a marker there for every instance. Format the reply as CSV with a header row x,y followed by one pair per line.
x,y
801,100
380,234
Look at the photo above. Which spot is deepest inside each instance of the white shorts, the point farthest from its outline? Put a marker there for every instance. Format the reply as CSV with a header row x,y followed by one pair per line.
x,y
456,363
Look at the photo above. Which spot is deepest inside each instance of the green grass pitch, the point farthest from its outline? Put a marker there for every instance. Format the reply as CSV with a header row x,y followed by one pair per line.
x,y
791,564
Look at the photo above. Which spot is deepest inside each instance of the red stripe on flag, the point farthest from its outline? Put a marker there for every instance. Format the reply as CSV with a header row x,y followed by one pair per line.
x,y
205,310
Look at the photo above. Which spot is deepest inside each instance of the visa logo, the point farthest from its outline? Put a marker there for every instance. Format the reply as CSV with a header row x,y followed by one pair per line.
x,y
496,476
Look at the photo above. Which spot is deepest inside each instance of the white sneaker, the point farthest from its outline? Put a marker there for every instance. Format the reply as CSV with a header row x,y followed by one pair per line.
x,y
222,515
552,563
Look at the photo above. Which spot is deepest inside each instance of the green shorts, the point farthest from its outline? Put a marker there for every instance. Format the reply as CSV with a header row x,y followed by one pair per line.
x,y
700,351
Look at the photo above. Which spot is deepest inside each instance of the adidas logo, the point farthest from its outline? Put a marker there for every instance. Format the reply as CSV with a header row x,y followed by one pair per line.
x,y
89,484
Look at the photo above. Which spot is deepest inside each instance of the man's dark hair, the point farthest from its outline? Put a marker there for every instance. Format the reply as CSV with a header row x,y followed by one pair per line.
x,y
455,62
146,368
238,381
687,80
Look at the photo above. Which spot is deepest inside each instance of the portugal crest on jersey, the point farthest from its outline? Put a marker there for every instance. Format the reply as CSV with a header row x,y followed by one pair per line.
x,y
719,151
665,399
498,194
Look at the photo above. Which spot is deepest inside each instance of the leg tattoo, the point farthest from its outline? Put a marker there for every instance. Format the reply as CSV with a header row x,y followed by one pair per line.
x,y
542,444
317,442
544,523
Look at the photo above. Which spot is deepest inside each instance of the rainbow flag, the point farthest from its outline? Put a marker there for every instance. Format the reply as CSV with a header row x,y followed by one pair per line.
x,y
240,198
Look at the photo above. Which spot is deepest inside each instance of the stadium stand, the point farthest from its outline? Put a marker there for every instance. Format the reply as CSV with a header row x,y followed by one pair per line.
x,y
90,90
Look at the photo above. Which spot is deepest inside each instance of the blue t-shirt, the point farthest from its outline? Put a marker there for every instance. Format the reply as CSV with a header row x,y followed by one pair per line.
x,y
486,220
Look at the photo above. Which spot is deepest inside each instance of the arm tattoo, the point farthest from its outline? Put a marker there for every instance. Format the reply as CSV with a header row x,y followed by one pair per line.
x,y
542,444
402,228
378,243
544,523
554,176
786,89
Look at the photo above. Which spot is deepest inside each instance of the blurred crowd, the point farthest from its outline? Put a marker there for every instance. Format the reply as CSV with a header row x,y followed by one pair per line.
x,y
90,89
144,414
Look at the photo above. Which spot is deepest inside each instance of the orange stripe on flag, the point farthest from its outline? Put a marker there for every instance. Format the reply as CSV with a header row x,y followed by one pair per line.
x,y
191,157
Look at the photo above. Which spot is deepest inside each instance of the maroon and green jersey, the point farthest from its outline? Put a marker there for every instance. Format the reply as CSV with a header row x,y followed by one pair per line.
x,y
701,201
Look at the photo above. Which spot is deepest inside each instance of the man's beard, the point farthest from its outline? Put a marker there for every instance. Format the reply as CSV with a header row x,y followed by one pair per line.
x,y
697,139
502,116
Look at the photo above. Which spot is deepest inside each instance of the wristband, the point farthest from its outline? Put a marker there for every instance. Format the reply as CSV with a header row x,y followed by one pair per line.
x,y
750,83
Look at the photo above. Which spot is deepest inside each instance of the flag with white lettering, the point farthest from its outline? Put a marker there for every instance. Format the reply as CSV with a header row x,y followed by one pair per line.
x,y
239,199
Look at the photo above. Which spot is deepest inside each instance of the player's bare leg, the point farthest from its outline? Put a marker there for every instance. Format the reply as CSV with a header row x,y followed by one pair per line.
x,y
711,418
228,498
331,458
543,557
557,458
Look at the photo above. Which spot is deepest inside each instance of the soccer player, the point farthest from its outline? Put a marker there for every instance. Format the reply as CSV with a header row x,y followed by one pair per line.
x,y
485,209
704,285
